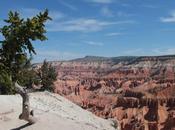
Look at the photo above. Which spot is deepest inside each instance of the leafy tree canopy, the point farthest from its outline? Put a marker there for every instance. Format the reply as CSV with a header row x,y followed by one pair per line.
x,y
18,35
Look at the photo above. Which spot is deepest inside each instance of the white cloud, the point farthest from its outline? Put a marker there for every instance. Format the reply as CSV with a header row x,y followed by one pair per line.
x,y
55,15
167,51
123,14
169,19
70,6
83,25
92,43
114,34
150,6
101,1
150,52
106,12
30,12
61,22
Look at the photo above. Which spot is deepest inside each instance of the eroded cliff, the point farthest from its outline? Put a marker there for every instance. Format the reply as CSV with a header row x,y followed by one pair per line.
x,y
136,91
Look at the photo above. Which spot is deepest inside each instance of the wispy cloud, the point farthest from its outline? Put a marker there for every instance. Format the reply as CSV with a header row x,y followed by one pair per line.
x,y
83,25
169,19
123,14
167,51
101,1
105,11
92,43
30,12
68,5
55,15
150,52
114,34
149,6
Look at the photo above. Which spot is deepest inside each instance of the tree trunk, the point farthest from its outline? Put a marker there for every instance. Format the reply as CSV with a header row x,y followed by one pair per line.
x,y
26,113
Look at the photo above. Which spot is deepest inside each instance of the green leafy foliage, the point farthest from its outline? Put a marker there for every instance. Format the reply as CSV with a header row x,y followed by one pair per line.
x,y
5,82
28,76
18,35
48,75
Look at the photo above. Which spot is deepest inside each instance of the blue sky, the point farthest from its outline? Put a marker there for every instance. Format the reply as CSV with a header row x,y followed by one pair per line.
x,y
101,27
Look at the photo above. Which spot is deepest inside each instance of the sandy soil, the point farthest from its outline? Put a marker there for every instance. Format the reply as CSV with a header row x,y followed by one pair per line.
x,y
53,113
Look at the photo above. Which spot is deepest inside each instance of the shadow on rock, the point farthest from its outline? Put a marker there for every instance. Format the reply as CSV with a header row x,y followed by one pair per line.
x,y
22,127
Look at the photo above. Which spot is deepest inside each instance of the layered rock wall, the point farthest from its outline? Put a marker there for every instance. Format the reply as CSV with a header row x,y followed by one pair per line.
x,y
139,92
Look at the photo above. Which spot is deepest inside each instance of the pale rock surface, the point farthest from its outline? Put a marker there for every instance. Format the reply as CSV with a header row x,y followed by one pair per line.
x,y
53,112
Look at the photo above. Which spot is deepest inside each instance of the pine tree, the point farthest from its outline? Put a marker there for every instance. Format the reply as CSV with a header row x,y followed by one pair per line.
x,y
48,75
16,48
